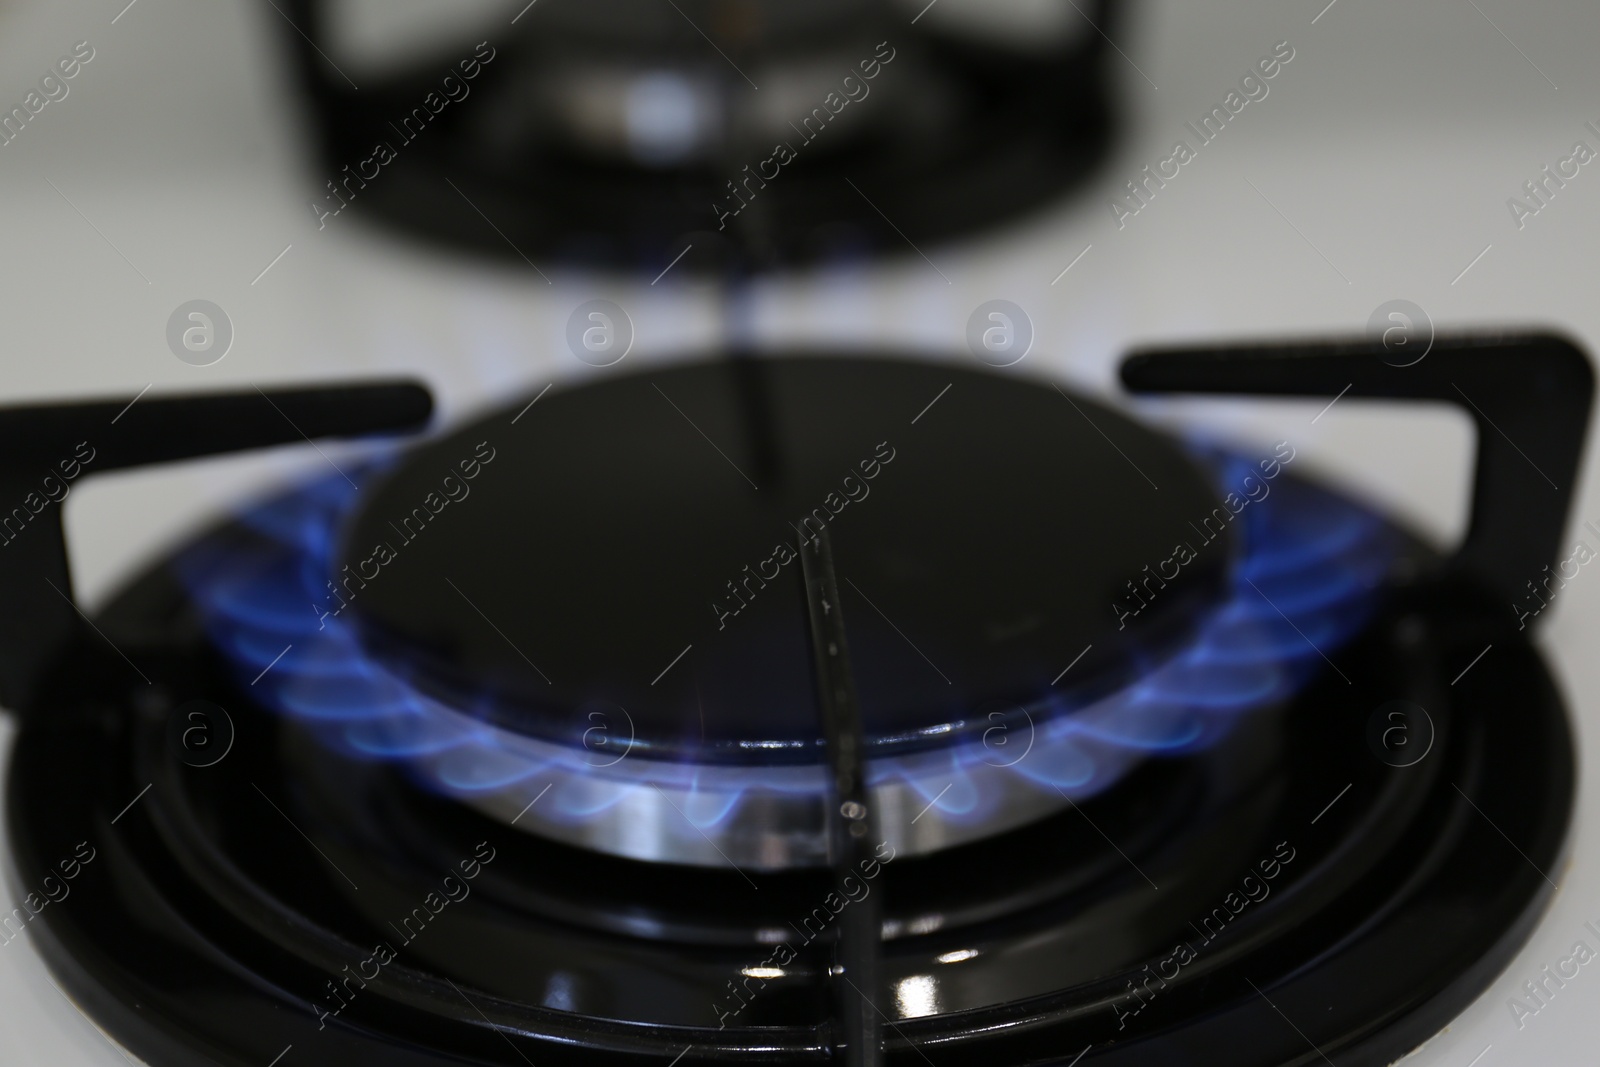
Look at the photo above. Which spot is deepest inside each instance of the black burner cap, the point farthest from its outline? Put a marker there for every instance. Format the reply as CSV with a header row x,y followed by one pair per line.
x,y
629,544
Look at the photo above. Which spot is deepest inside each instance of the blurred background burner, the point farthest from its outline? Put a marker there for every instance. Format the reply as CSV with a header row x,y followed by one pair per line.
x,y
620,132
1044,594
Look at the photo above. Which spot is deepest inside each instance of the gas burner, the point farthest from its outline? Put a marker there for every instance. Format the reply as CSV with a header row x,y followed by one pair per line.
x,y
1277,852
623,132
505,645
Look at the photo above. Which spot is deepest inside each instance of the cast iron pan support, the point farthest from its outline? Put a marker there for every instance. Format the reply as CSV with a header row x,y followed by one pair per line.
x,y
1528,394
851,844
40,445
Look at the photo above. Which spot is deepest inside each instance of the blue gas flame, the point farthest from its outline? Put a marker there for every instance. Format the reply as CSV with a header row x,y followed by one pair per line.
x,y
1308,573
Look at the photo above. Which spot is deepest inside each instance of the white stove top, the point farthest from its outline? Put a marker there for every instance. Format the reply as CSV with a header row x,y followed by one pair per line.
x,y
1378,166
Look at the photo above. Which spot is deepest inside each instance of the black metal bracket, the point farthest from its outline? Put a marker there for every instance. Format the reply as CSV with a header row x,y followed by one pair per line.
x,y
851,844
45,448
1528,394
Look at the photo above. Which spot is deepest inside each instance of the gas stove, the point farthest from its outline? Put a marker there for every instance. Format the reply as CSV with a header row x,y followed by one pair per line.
x,y
869,849
783,650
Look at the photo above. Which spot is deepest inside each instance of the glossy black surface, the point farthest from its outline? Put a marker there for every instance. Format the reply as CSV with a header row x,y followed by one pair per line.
x,y
621,522
207,928
44,447
1528,393
854,835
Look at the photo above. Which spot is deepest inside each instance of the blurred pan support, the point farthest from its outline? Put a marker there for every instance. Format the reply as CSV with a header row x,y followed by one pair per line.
x,y
619,132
